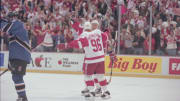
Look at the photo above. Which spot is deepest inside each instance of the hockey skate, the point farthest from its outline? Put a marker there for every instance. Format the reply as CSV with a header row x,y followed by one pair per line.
x,y
98,92
106,95
83,92
22,98
89,96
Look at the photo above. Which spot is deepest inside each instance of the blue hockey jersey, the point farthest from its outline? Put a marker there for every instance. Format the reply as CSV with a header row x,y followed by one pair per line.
x,y
19,47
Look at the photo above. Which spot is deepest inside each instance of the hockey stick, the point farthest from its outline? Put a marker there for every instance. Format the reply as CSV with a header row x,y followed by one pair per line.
x,y
112,60
113,51
4,72
110,79
37,47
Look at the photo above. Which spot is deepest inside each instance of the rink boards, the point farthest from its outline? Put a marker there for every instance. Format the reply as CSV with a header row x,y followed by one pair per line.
x,y
123,65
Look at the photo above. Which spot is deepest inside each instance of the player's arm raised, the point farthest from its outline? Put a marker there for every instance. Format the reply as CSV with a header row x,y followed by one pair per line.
x,y
80,43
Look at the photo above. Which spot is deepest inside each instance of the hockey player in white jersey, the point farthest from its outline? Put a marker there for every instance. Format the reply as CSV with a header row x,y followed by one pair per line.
x,y
92,43
98,91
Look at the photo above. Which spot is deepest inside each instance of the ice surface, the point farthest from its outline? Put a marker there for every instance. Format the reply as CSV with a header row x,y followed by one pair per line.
x,y
63,87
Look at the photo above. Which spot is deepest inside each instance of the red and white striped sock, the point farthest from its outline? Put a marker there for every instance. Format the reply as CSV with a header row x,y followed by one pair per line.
x,y
103,85
89,82
102,81
96,83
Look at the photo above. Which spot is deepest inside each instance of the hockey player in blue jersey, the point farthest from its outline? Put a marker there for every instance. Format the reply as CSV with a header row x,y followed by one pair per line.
x,y
19,52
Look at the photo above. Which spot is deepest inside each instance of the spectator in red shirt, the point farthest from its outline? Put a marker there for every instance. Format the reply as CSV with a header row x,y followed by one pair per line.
x,y
77,25
68,34
68,37
113,4
146,45
38,31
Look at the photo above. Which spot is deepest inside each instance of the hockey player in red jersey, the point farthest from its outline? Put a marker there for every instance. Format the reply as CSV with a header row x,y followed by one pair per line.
x,y
92,43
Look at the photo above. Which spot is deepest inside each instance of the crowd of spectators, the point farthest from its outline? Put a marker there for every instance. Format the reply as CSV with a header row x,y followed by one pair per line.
x,y
50,22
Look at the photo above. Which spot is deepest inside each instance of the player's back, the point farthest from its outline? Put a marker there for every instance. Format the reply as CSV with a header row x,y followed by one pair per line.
x,y
18,40
94,52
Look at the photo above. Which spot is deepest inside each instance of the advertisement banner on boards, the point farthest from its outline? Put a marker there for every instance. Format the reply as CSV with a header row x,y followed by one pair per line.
x,y
174,66
134,64
1,59
4,56
56,61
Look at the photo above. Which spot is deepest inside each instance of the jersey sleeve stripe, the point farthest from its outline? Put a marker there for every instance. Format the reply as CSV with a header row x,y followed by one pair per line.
x,y
7,27
93,58
22,43
80,45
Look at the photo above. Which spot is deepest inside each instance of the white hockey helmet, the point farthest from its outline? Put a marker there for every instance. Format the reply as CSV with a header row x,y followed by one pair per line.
x,y
95,22
87,25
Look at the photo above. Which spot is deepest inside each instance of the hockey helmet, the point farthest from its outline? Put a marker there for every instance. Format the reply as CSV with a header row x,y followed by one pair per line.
x,y
95,22
87,25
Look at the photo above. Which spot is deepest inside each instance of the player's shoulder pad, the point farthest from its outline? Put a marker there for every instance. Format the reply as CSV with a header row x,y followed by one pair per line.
x,y
83,35
97,31
3,23
3,20
18,24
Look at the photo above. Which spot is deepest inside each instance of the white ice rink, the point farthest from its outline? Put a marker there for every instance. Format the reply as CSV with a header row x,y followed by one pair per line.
x,y
61,87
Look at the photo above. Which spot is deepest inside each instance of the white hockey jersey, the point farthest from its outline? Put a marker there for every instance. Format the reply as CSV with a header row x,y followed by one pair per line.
x,y
94,52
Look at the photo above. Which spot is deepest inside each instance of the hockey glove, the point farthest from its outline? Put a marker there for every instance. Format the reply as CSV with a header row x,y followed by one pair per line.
x,y
112,55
